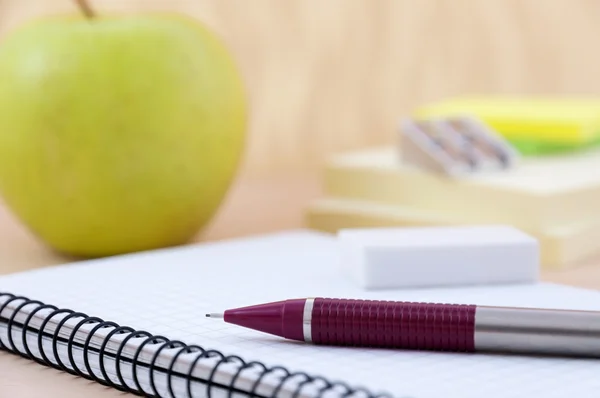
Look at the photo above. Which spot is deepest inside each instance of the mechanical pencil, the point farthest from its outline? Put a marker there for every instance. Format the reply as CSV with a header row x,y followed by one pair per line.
x,y
424,326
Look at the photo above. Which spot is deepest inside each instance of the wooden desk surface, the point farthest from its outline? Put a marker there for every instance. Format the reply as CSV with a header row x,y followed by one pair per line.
x,y
257,205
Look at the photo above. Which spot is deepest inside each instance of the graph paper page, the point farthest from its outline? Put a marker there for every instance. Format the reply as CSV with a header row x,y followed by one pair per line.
x,y
168,292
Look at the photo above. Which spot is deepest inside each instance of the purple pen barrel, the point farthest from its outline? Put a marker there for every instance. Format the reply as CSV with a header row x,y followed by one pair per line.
x,y
386,324
450,327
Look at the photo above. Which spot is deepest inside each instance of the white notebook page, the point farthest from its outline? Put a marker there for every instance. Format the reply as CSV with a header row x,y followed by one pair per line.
x,y
168,292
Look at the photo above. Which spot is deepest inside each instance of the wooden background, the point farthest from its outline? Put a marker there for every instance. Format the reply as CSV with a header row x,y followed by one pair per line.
x,y
330,75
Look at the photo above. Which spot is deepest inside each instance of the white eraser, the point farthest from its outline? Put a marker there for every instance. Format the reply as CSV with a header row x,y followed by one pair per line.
x,y
386,258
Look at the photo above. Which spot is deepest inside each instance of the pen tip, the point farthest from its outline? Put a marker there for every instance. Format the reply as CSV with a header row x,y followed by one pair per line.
x,y
214,315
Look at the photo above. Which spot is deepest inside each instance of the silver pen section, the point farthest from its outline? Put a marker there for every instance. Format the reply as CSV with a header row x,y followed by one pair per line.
x,y
537,331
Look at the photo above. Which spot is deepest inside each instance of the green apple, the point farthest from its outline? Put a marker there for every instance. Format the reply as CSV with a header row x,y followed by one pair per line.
x,y
118,133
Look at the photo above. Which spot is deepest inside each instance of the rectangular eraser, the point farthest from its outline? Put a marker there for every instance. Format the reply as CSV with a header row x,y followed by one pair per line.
x,y
413,257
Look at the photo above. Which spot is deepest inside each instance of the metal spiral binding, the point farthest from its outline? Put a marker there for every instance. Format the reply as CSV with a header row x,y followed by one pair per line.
x,y
342,389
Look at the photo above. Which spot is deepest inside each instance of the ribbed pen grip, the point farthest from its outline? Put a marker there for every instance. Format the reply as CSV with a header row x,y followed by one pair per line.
x,y
446,327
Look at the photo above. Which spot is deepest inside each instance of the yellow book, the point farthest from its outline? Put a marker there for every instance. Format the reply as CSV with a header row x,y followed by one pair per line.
x,y
560,247
532,125
542,192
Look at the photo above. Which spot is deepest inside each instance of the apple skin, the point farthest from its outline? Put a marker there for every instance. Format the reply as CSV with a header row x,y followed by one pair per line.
x,y
118,133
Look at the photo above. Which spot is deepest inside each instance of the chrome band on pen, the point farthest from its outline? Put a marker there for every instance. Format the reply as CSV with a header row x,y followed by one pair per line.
x,y
542,331
307,319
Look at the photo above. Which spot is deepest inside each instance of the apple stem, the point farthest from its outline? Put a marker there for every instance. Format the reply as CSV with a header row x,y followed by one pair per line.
x,y
85,8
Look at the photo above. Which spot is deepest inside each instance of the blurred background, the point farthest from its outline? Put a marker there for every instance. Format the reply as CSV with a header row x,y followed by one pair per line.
x,y
327,76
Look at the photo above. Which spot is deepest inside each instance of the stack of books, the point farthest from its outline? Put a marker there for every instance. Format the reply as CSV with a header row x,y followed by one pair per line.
x,y
553,196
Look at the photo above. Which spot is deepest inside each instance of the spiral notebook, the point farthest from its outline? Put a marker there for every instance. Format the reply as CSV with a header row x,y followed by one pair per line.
x,y
136,323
